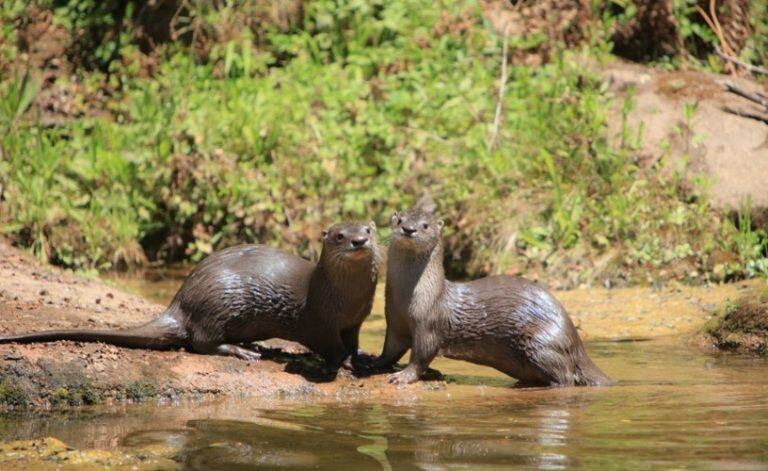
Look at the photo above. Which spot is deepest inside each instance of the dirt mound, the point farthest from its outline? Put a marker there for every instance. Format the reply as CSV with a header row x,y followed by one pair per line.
x,y
729,150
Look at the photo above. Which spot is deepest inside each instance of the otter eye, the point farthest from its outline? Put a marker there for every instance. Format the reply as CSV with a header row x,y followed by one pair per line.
x,y
339,236
368,230
425,226
399,221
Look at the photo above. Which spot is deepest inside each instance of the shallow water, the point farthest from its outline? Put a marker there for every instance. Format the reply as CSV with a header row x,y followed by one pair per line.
x,y
674,407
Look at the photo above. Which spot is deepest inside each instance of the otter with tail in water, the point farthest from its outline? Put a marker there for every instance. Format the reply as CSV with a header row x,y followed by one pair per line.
x,y
248,293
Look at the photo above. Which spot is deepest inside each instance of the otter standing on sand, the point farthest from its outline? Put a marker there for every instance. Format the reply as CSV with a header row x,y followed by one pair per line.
x,y
504,322
252,292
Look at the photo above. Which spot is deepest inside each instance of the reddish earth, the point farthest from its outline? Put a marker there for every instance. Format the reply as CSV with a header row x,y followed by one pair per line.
x,y
34,297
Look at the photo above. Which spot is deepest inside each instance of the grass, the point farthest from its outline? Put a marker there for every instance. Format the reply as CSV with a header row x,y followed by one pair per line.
x,y
360,111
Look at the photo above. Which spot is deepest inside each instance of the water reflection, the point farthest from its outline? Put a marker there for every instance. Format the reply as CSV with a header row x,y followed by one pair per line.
x,y
674,407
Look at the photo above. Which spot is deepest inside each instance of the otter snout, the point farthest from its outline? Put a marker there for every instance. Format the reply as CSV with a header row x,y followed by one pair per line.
x,y
358,242
409,230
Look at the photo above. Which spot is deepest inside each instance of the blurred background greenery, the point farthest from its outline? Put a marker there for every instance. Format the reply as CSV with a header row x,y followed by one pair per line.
x,y
136,132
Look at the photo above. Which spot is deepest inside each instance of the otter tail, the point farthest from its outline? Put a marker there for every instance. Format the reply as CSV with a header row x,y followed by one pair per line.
x,y
586,373
162,333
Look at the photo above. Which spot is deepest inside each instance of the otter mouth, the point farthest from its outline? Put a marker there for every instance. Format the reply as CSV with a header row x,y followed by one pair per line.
x,y
405,235
357,251
405,238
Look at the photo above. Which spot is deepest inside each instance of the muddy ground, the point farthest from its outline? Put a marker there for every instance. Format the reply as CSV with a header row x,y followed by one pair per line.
x,y
35,297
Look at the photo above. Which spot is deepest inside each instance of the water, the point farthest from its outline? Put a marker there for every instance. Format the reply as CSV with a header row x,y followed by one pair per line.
x,y
674,406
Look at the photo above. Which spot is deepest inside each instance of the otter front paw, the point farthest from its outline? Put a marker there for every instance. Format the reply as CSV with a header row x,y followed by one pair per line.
x,y
407,376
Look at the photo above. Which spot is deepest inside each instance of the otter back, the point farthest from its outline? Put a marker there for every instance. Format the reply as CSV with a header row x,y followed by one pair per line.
x,y
252,292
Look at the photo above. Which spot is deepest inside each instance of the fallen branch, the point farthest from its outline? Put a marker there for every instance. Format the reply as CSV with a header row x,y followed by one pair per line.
x,y
714,25
749,95
747,66
502,84
747,113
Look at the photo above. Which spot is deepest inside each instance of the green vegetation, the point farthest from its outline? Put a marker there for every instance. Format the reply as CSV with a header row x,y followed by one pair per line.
x,y
140,391
82,395
12,395
232,131
741,325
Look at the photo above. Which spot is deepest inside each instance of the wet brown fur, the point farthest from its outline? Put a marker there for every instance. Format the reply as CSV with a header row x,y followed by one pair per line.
x,y
504,322
248,293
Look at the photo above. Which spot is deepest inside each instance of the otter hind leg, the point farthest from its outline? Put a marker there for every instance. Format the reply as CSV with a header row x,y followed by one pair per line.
x,y
529,368
553,368
227,349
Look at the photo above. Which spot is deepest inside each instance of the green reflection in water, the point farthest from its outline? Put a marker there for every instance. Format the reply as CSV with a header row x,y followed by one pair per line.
x,y
674,407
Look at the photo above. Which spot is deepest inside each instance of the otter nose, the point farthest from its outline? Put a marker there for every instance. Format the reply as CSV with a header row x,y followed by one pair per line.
x,y
359,241
409,230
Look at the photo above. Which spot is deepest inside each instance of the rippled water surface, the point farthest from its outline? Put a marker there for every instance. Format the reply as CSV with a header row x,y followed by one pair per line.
x,y
674,407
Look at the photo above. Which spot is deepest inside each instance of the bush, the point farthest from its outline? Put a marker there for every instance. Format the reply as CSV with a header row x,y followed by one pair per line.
x,y
350,111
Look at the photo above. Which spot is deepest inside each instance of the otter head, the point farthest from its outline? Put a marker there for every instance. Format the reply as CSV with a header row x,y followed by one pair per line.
x,y
350,241
415,230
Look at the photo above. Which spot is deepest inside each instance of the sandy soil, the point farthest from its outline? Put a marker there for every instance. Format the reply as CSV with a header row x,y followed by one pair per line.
x,y
35,297
729,150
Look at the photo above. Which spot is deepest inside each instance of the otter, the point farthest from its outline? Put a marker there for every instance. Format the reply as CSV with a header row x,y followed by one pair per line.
x,y
504,322
252,292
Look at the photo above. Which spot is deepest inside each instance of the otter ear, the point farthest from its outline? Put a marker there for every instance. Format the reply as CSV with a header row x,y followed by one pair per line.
x,y
394,217
372,225
440,223
324,234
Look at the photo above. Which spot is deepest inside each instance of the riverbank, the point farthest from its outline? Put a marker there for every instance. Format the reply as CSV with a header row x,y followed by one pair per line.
x,y
37,297
61,374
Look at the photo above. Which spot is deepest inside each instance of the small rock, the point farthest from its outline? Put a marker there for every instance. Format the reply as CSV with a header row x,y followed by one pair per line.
x,y
110,295
13,356
43,292
98,300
